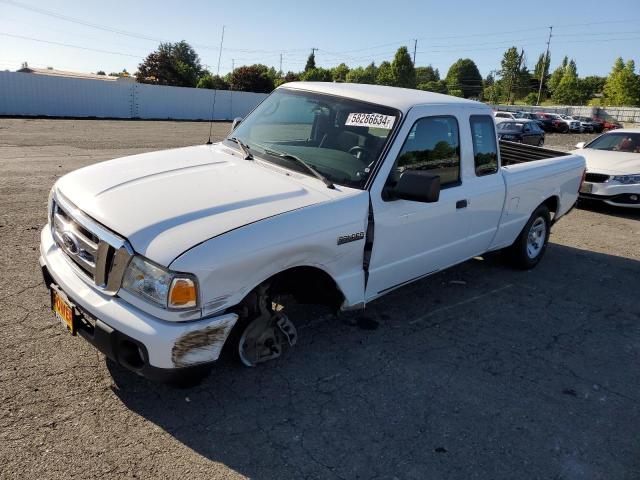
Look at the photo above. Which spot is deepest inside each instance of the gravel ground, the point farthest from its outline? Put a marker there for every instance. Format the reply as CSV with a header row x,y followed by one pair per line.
x,y
478,372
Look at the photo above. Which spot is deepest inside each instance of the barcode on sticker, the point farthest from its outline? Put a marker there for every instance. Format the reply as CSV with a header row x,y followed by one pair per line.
x,y
370,120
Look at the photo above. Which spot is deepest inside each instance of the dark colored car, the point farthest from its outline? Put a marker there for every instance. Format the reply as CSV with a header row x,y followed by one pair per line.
x,y
525,131
607,124
546,122
589,125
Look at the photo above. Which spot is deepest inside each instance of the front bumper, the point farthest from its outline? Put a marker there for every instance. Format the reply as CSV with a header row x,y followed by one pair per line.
x,y
151,347
614,194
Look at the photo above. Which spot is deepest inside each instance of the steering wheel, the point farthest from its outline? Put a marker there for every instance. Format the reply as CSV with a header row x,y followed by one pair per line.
x,y
357,151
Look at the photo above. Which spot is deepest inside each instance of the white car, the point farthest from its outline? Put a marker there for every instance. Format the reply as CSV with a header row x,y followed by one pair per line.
x,y
503,116
572,125
613,168
328,193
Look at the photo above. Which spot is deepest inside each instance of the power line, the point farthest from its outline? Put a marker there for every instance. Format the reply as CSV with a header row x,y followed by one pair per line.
x,y
62,44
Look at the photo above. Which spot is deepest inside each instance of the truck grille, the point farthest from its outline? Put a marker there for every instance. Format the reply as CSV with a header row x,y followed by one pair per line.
x,y
596,177
97,253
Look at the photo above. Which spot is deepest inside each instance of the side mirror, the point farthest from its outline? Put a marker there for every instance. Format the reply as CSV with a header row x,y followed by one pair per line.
x,y
418,186
235,123
580,145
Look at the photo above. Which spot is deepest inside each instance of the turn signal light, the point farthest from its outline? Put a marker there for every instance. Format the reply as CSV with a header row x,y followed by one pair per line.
x,y
182,293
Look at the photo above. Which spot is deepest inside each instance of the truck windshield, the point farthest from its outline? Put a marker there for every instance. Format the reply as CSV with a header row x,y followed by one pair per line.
x,y
617,142
340,138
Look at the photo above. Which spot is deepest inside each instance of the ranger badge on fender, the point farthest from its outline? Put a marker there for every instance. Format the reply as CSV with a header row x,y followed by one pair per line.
x,y
354,237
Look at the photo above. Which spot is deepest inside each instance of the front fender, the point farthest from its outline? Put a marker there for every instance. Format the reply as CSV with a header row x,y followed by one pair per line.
x,y
231,265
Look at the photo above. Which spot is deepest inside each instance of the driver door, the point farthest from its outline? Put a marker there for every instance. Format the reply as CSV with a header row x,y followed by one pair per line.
x,y
413,239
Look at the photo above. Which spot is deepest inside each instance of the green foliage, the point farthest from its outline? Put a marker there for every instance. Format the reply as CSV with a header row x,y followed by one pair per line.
x,y
385,75
213,82
311,62
363,75
531,98
123,73
402,69
464,76
510,70
437,86
456,92
318,74
175,64
623,85
100,72
425,75
556,76
339,73
253,78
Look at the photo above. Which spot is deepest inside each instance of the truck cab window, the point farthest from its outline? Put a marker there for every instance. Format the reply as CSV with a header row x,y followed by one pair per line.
x,y
433,143
485,150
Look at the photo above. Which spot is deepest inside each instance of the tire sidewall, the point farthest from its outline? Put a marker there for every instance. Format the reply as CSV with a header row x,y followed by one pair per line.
x,y
520,247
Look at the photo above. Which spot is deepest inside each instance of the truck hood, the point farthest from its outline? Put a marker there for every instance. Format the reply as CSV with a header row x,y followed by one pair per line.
x,y
618,163
168,201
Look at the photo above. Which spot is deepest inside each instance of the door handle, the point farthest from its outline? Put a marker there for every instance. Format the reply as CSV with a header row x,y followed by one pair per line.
x,y
461,204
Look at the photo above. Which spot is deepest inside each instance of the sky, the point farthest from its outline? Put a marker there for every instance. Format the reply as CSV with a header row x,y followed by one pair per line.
x,y
111,35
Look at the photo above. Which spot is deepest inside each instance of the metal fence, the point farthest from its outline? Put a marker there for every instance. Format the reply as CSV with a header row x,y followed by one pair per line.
x,y
621,114
26,94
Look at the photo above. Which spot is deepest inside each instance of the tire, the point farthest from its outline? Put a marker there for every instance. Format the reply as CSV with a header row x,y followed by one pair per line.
x,y
528,249
541,142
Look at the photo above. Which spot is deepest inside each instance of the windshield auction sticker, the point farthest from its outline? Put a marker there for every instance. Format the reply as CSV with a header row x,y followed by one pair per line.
x,y
370,120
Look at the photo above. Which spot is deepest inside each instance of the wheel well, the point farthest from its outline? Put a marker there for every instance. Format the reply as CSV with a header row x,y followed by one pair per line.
x,y
552,204
309,285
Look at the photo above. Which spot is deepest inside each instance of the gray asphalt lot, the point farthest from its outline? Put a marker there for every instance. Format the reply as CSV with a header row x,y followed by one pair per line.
x,y
481,371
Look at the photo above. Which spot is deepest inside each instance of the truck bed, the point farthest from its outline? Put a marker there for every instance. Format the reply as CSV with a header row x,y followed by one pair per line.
x,y
512,153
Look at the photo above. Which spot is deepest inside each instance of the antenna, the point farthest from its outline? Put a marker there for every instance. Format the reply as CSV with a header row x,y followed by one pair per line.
x,y
215,91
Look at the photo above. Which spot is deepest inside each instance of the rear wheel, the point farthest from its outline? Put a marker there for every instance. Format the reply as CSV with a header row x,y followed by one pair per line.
x,y
541,142
529,247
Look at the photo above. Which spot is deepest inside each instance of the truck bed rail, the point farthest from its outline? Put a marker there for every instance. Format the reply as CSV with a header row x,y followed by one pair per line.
x,y
512,153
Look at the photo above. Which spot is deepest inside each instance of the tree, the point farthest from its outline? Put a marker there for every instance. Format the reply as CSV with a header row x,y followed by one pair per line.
x,y
340,73
100,72
437,86
318,74
510,69
123,73
175,64
557,75
464,75
402,69
428,74
213,82
363,75
541,72
623,85
385,75
252,78
311,61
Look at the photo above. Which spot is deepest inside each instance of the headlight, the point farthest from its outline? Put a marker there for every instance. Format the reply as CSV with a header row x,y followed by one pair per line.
x,y
627,179
160,286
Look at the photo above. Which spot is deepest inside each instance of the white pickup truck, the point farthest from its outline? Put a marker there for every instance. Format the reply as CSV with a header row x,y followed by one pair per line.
x,y
326,193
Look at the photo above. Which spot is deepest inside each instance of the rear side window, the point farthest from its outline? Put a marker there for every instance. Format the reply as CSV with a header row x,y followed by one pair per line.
x,y
432,144
485,150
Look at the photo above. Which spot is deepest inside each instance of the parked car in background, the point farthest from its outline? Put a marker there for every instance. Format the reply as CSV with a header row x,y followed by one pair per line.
x,y
529,116
564,123
607,124
613,168
589,125
546,122
502,116
521,131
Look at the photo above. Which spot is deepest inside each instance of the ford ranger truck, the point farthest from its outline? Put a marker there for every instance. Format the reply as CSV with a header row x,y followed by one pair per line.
x,y
331,194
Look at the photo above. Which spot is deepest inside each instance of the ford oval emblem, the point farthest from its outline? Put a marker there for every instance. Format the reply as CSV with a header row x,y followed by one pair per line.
x,y
70,242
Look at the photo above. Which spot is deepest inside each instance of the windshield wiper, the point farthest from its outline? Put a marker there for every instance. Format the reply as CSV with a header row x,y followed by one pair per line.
x,y
244,147
313,171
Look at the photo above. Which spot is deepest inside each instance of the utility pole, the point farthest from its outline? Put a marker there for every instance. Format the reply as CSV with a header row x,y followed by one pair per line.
x,y
415,47
544,66
215,91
